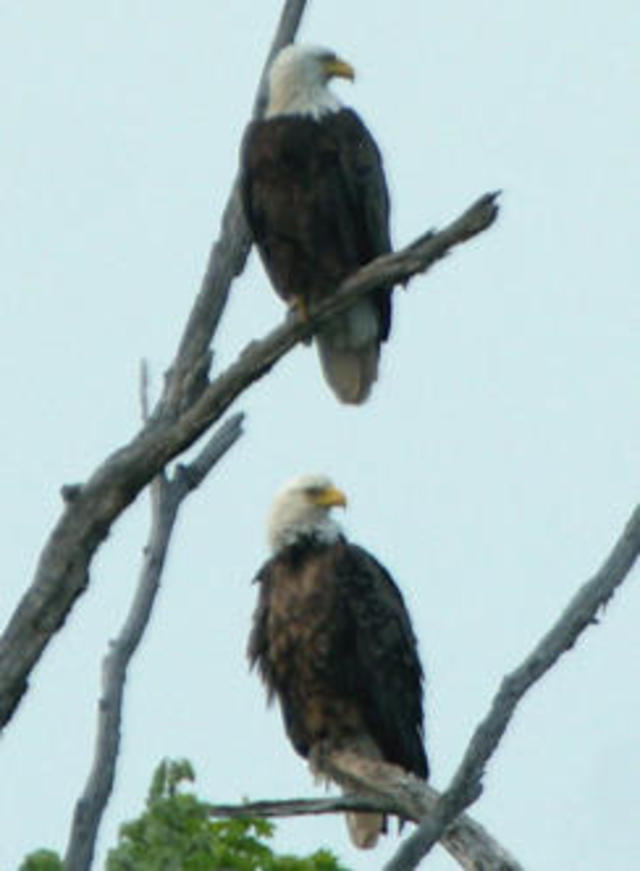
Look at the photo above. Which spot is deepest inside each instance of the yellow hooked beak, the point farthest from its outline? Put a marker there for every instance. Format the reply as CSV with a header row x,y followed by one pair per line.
x,y
330,497
339,69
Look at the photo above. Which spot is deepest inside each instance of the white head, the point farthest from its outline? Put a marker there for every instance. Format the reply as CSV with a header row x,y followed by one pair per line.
x,y
302,509
298,81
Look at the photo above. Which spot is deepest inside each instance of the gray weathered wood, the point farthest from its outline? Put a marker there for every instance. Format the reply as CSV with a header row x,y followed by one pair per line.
x,y
378,786
469,843
189,370
62,571
167,496
581,612
228,255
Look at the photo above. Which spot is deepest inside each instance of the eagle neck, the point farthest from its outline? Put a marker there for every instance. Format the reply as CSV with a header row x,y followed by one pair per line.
x,y
310,102
307,535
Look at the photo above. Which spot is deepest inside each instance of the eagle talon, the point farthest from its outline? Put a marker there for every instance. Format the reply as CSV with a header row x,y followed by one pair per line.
x,y
299,309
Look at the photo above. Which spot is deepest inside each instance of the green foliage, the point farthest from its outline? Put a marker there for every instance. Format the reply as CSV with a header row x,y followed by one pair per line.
x,y
176,834
42,860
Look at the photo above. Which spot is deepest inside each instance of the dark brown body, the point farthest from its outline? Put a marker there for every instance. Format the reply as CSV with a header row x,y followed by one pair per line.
x,y
333,641
316,202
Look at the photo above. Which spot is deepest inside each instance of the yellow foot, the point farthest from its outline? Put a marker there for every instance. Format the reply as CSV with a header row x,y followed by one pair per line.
x,y
299,306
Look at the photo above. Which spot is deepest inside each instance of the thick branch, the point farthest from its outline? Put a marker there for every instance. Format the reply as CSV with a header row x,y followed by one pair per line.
x,y
466,841
227,258
259,356
413,799
580,613
384,787
166,499
62,572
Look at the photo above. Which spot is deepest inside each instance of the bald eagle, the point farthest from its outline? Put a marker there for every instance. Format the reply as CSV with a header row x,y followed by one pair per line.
x,y
316,203
333,641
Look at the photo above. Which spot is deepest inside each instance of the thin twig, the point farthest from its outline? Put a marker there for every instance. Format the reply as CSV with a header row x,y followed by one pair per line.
x,y
62,572
166,499
143,390
466,785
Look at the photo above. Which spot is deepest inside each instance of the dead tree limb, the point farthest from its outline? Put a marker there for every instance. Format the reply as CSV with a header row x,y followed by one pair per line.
x,y
379,786
62,573
469,843
167,495
227,258
581,612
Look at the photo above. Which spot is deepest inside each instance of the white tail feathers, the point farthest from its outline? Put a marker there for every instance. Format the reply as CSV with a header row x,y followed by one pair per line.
x,y
346,763
349,349
350,374
365,828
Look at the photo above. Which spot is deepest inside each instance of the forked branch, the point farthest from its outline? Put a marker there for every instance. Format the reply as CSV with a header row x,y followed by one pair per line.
x,y
386,788
581,612
382,787
167,496
62,573
63,569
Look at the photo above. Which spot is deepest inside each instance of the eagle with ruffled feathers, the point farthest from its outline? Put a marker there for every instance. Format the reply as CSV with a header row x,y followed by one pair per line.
x,y
316,202
333,642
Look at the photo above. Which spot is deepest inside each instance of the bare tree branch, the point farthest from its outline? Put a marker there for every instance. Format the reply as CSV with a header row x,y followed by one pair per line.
x,y
412,798
379,786
467,841
166,499
143,390
581,612
227,258
62,572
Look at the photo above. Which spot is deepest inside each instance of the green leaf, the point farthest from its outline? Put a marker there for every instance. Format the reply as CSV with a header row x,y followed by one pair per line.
x,y
42,860
175,833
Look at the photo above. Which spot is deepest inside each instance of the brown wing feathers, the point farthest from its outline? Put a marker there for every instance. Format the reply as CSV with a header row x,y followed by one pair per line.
x,y
316,203
333,641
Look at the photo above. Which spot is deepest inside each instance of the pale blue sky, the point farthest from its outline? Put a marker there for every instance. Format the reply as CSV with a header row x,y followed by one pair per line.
x,y
491,471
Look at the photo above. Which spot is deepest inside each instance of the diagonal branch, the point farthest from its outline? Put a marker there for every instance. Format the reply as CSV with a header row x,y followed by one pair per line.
x,y
228,255
166,499
379,786
469,843
62,572
227,259
580,613
260,355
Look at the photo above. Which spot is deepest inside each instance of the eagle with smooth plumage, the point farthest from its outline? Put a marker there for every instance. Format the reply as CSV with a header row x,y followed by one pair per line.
x,y
316,202
333,641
